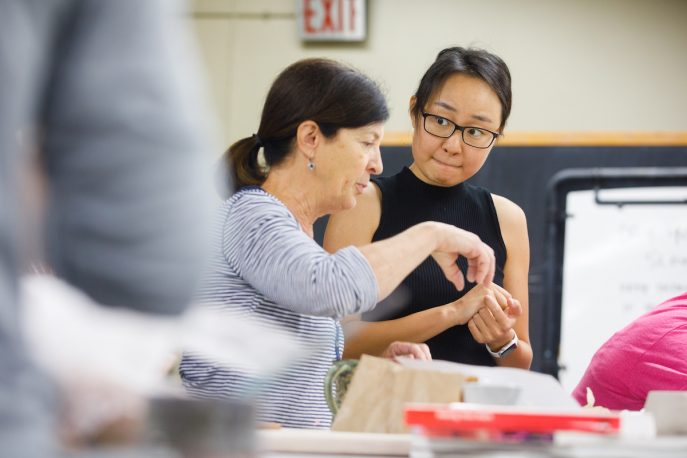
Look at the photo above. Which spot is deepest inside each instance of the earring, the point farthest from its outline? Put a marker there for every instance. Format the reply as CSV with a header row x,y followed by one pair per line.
x,y
311,165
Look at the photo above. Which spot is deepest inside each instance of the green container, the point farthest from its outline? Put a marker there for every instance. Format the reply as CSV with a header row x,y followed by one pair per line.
x,y
336,382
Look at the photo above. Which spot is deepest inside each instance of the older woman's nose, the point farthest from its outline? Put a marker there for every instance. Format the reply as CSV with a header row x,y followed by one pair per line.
x,y
375,166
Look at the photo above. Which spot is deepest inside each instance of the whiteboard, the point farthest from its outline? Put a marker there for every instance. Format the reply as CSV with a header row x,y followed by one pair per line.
x,y
619,262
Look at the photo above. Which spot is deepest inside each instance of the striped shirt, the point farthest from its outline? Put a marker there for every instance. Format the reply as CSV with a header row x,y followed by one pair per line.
x,y
264,266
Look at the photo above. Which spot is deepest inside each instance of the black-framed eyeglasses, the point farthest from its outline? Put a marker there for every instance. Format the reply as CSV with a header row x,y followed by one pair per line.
x,y
444,128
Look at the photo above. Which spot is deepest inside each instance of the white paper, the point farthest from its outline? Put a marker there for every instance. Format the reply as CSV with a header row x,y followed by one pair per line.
x,y
536,390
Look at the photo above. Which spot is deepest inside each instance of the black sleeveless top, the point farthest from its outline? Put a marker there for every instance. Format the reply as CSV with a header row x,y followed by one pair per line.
x,y
406,201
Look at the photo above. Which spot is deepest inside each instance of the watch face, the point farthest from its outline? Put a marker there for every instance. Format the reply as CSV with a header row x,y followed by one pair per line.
x,y
505,351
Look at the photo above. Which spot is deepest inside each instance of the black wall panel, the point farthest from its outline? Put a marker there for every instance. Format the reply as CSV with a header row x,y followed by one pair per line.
x,y
522,174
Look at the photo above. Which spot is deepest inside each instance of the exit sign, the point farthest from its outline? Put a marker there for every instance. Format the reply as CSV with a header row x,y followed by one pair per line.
x,y
332,20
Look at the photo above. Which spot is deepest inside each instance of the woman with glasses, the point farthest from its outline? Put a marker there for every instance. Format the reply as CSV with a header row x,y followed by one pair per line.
x,y
313,154
459,110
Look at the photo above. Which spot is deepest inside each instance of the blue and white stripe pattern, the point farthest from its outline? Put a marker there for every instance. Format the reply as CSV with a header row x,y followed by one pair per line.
x,y
266,267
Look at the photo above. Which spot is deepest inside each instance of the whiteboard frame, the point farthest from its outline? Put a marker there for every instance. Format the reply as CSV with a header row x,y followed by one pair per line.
x,y
558,188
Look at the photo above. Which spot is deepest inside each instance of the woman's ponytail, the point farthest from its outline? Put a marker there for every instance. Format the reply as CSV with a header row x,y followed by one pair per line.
x,y
240,162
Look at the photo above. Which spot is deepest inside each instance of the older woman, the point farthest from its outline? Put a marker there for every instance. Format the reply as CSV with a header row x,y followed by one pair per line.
x,y
320,132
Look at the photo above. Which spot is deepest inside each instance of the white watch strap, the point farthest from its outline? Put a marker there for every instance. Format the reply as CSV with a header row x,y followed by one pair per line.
x,y
499,353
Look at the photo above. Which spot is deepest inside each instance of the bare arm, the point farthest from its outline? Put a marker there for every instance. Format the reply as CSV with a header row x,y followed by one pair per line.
x,y
357,227
372,338
394,258
496,329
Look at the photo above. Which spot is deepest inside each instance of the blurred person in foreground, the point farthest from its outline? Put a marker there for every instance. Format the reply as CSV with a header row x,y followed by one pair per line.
x,y
646,355
458,112
314,151
101,90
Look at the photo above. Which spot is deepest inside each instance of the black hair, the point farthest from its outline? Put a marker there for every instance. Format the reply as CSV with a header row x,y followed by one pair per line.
x,y
332,94
473,62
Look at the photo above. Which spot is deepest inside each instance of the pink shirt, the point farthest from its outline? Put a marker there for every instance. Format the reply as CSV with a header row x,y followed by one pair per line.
x,y
648,354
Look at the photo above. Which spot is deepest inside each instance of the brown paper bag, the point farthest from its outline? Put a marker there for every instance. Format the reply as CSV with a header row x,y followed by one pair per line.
x,y
380,388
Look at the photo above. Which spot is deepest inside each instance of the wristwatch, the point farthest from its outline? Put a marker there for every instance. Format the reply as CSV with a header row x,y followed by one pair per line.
x,y
503,351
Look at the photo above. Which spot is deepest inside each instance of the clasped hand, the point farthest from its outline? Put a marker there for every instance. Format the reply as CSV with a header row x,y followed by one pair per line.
x,y
491,313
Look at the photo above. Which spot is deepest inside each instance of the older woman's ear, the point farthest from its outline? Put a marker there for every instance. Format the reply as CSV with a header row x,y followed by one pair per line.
x,y
308,137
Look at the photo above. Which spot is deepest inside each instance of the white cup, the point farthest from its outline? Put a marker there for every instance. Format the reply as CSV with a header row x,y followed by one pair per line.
x,y
491,393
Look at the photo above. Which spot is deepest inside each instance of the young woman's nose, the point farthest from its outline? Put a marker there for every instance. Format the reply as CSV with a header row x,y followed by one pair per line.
x,y
454,144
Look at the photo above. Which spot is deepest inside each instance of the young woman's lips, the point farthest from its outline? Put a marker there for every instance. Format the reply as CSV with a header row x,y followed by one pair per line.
x,y
445,164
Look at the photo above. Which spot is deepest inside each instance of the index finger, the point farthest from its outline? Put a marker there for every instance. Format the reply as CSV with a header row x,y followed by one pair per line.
x,y
486,265
503,300
501,290
499,315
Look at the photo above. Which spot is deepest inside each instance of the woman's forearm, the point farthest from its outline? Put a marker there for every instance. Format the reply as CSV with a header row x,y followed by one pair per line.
x,y
372,338
521,357
394,258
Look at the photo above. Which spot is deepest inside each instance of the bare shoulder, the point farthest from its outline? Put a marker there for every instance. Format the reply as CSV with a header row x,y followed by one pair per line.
x,y
512,220
357,225
508,211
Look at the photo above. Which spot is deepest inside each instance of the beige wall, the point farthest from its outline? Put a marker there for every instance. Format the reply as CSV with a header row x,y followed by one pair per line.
x,y
577,65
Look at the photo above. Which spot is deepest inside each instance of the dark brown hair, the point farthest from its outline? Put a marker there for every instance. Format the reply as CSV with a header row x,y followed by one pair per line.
x,y
473,62
332,94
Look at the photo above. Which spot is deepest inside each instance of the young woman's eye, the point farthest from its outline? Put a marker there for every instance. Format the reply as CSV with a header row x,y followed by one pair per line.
x,y
475,132
442,121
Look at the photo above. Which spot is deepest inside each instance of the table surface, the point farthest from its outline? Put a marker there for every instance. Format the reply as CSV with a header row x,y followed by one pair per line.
x,y
333,443
291,443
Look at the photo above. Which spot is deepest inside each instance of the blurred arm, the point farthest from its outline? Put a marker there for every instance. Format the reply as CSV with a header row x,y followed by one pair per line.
x,y
125,158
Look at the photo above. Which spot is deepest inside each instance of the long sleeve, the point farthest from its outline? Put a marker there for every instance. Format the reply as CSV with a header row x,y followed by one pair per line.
x,y
126,158
263,242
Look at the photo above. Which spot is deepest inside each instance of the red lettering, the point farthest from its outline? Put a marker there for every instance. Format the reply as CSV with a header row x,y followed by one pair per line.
x,y
327,23
308,14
